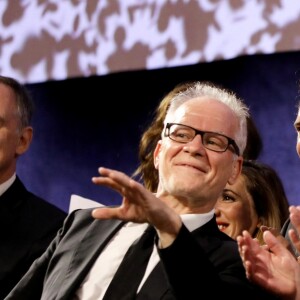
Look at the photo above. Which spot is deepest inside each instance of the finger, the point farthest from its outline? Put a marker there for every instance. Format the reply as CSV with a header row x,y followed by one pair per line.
x,y
248,269
106,212
116,176
274,244
108,182
270,240
113,179
242,243
246,235
119,181
295,217
294,239
284,242
246,258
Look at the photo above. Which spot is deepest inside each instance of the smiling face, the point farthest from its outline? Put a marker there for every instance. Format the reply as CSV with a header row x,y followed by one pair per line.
x,y
192,174
235,209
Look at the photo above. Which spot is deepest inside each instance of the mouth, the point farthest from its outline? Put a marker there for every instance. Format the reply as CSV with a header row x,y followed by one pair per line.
x,y
222,226
191,166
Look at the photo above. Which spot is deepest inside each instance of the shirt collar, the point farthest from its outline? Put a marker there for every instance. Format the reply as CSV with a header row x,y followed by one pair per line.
x,y
5,185
193,221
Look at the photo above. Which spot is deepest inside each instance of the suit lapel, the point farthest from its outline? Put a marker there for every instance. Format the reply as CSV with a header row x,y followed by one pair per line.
x,y
208,236
156,286
96,237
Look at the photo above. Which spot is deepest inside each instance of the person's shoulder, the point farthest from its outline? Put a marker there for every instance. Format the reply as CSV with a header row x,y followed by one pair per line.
x,y
25,202
41,218
211,231
81,219
41,205
216,241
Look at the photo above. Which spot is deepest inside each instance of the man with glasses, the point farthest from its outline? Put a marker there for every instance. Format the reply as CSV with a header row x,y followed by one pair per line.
x,y
211,140
189,257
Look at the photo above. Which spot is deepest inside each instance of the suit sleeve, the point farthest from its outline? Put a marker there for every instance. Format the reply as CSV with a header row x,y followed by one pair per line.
x,y
192,272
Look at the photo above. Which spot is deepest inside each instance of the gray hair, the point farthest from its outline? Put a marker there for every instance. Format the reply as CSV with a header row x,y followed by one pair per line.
x,y
207,89
24,102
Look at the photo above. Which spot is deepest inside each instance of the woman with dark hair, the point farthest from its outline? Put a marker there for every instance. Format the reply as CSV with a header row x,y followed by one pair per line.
x,y
256,199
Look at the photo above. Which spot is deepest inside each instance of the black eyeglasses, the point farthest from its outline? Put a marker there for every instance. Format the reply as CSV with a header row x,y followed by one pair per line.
x,y
211,140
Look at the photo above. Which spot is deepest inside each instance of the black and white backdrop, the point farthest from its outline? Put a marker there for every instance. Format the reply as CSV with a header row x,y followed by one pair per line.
x,y
97,70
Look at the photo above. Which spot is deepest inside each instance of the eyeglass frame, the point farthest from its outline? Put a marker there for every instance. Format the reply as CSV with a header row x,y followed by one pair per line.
x,y
201,133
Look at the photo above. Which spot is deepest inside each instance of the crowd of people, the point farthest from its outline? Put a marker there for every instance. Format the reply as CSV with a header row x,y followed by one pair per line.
x,y
208,210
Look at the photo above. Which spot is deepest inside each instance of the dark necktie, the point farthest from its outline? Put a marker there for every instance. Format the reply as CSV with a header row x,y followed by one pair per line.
x,y
132,268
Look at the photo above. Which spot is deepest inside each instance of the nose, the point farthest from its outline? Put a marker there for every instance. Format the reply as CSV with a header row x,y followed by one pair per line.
x,y
195,146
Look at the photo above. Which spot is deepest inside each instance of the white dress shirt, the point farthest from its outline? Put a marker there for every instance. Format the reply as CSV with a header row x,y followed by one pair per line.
x,y
96,282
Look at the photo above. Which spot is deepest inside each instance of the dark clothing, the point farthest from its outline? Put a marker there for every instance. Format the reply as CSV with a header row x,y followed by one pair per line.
x,y
27,226
203,264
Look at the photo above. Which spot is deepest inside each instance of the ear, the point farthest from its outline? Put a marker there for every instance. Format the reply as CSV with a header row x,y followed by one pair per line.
x,y
156,154
236,169
25,139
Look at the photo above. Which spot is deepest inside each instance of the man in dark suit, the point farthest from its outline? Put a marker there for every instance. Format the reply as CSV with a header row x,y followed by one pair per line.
x,y
199,152
27,222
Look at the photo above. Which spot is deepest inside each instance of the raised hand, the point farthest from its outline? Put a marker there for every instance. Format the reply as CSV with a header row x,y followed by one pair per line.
x,y
294,233
271,266
138,205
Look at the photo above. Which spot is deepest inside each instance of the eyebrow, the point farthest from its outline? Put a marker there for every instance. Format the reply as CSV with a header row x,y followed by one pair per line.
x,y
231,191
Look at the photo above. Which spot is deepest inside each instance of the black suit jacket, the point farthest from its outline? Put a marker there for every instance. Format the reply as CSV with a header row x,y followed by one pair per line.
x,y
27,226
204,264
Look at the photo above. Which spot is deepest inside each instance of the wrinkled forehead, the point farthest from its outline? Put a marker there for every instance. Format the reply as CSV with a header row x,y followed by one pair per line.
x,y
205,113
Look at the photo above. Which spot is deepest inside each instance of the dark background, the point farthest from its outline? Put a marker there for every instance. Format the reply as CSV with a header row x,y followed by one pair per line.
x,y
83,123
